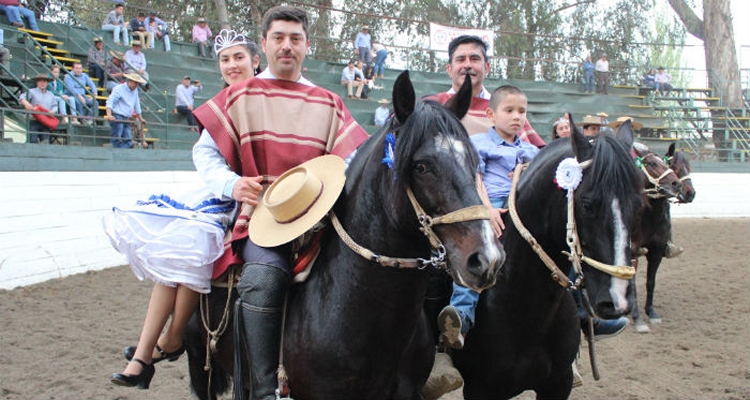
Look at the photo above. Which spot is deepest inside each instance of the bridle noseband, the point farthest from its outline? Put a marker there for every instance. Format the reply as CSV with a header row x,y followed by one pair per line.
x,y
437,258
654,192
575,255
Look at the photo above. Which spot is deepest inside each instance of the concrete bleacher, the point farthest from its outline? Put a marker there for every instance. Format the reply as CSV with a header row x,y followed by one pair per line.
x,y
548,101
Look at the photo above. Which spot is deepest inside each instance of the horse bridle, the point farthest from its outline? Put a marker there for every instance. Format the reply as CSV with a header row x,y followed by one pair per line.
x,y
654,192
437,259
575,255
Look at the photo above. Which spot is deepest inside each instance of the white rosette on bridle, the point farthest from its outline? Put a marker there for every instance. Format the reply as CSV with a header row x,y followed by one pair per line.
x,y
568,175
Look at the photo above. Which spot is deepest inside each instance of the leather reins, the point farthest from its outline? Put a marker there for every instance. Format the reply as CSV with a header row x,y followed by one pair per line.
x,y
437,259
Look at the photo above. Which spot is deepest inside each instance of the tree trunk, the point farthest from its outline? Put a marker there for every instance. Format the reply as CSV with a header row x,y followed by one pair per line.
x,y
222,13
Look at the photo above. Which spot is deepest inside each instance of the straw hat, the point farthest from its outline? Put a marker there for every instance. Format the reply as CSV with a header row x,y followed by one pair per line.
x,y
365,27
41,77
116,54
134,77
635,124
135,43
97,39
201,19
383,101
591,120
297,200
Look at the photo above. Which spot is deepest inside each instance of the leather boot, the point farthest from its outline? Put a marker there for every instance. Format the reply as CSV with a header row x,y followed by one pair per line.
x,y
259,310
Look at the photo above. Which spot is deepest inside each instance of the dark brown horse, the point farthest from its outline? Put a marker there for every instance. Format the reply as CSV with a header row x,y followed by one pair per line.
x,y
656,225
355,328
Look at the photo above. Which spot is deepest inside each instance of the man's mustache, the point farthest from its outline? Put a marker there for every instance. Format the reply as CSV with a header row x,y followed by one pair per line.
x,y
469,72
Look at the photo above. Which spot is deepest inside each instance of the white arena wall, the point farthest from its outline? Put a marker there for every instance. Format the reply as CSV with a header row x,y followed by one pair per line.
x,y
50,222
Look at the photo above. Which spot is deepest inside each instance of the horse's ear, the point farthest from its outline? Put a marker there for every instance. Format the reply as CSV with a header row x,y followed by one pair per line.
x,y
625,134
582,148
670,151
460,103
404,97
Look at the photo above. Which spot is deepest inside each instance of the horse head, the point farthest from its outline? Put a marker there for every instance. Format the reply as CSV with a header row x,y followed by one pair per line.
x,y
436,162
661,180
606,204
679,163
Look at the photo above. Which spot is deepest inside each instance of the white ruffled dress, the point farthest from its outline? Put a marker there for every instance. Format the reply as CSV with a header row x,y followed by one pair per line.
x,y
172,242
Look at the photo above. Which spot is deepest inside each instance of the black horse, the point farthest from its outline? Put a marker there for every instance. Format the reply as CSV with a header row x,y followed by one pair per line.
x,y
656,230
355,327
527,331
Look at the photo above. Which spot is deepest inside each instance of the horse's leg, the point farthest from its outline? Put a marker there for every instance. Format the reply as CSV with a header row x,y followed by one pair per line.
x,y
654,260
640,324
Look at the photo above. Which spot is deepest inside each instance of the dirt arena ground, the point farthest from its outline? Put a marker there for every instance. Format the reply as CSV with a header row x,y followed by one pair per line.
x,y
63,338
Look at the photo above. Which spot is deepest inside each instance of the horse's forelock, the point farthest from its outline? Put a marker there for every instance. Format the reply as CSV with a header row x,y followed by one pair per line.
x,y
612,164
428,120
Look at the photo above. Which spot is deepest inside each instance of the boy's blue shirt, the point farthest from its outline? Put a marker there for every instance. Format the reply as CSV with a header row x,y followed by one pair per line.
x,y
497,158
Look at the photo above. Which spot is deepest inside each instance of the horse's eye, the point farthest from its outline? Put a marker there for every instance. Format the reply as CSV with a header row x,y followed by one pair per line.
x,y
420,168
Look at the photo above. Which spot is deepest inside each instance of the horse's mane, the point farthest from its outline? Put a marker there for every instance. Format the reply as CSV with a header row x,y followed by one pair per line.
x,y
611,162
681,160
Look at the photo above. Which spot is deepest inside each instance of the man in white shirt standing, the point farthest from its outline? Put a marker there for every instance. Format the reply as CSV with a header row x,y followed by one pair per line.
x,y
362,43
351,77
602,75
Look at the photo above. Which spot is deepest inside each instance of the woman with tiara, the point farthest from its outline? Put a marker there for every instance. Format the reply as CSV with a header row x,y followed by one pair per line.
x,y
174,242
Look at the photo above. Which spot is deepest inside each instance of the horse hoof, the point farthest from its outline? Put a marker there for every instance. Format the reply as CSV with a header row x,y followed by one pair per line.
x,y
641,327
656,320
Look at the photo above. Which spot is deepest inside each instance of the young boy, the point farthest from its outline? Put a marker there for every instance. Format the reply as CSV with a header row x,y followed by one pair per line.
x,y
500,150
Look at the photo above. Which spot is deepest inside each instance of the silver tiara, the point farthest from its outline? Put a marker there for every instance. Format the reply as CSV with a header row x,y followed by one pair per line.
x,y
561,120
226,39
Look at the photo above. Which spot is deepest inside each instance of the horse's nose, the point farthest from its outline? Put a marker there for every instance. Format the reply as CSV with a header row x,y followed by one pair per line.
x,y
485,266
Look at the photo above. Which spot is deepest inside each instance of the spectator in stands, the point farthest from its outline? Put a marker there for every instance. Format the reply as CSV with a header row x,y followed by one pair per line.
x,y
662,85
591,125
602,75
75,86
57,88
382,112
122,104
136,62
14,10
202,36
351,77
362,43
138,28
37,97
381,53
4,56
97,61
115,70
369,73
561,128
649,80
158,29
184,99
588,72
115,23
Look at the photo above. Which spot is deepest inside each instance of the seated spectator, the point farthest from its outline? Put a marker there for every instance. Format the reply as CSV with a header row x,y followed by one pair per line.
x,y
115,23
202,36
158,29
115,70
39,96
649,80
136,62
369,74
4,56
382,112
75,86
184,99
97,60
662,82
14,10
138,28
57,88
351,77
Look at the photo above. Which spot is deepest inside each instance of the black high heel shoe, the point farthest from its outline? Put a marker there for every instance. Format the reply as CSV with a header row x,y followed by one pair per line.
x,y
129,352
141,381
